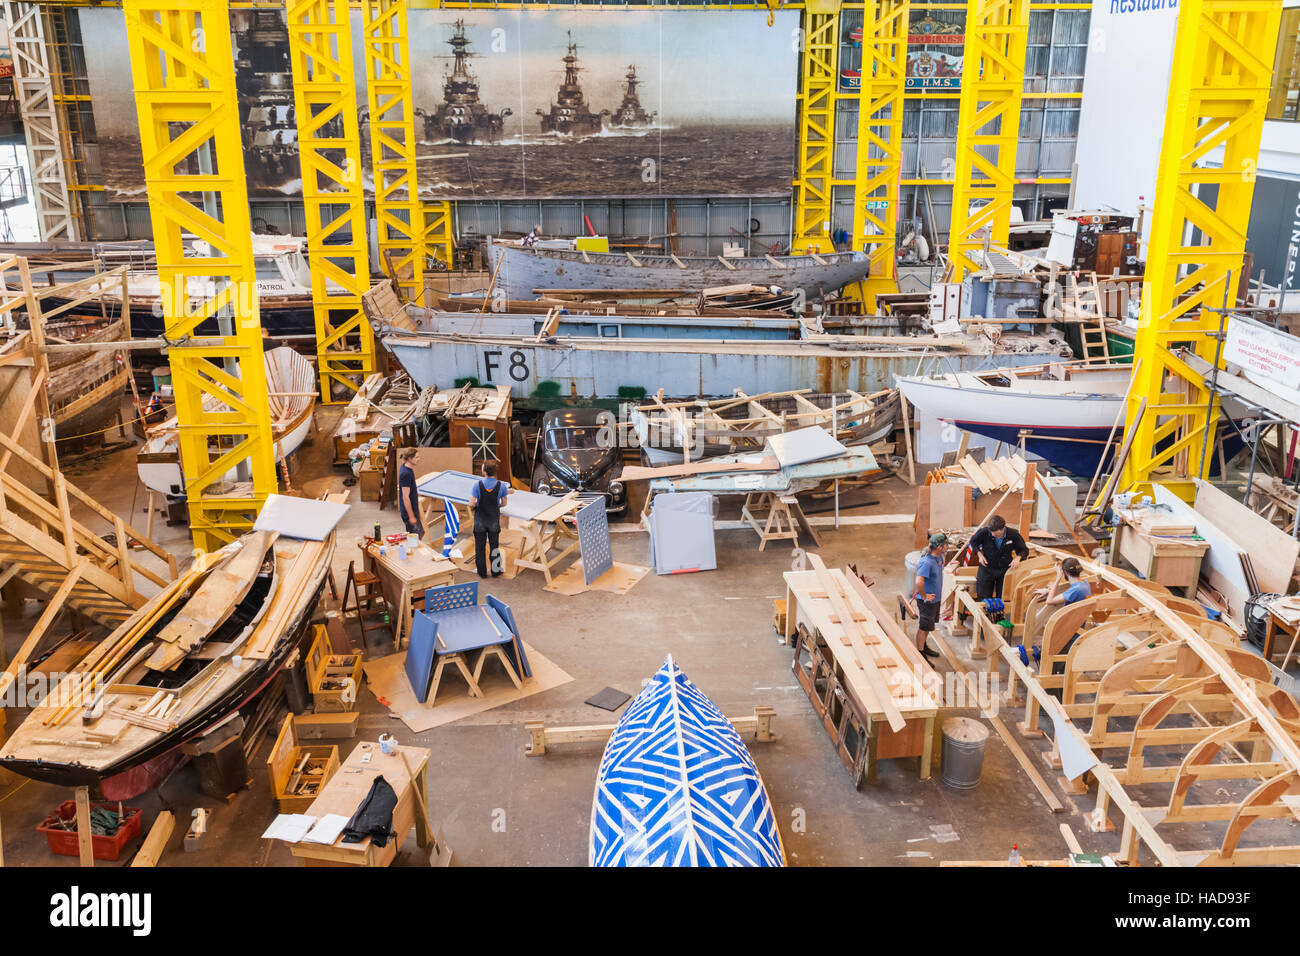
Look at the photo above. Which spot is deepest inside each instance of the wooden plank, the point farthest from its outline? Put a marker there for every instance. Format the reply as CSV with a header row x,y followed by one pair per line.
x,y
85,840
639,473
216,598
853,631
1253,534
156,841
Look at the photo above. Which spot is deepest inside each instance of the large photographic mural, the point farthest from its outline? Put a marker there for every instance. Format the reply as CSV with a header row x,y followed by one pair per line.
x,y
515,104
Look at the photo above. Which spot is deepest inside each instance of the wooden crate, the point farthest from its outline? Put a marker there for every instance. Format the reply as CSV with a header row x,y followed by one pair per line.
x,y
369,481
327,674
314,765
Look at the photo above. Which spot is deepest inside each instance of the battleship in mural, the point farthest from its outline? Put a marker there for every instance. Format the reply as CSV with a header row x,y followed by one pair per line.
x,y
522,270
461,116
264,86
569,114
630,114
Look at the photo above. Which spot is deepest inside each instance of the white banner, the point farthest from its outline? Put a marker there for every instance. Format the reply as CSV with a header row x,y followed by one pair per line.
x,y
1269,358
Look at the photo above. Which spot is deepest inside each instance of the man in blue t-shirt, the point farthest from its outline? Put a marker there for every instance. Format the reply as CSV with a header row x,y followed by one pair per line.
x,y
928,591
1069,573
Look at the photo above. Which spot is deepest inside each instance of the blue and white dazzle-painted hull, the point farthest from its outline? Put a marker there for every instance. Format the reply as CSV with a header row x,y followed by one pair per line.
x,y
677,786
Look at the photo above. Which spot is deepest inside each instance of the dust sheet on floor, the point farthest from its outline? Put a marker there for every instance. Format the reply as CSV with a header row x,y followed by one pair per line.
x,y
387,679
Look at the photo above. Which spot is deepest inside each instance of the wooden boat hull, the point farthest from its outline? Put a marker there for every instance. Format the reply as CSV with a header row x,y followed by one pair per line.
x,y
112,779
677,786
286,606
86,387
1069,428
523,270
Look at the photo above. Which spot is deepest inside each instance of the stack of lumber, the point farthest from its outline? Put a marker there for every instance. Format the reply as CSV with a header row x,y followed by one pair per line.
x,y
881,665
1162,524
996,475
947,500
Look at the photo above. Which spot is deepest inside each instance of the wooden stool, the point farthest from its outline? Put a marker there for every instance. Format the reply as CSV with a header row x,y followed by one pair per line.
x,y
365,590
443,660
497,651
780,524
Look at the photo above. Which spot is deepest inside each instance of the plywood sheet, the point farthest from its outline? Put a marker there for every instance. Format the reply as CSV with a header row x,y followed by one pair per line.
x,y
1272,550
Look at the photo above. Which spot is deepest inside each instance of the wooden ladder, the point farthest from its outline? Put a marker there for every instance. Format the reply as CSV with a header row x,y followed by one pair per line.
x,y
1084,303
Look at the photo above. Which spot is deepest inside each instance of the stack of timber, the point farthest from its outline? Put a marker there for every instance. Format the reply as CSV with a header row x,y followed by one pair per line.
x,y
958,498
382,403
677,430
1202,735
864,676
200,649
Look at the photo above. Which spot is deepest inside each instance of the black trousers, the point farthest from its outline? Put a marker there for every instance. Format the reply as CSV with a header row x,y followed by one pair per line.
x,y
988,582
485,540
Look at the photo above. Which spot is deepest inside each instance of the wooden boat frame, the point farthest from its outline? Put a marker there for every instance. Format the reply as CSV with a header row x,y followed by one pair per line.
x,y
1221,699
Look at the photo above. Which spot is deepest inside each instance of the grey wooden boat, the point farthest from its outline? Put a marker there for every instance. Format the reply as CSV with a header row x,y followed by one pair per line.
x,y
522,270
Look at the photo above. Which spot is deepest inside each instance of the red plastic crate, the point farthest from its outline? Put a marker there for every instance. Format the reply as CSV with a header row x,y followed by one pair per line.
x,y
64,842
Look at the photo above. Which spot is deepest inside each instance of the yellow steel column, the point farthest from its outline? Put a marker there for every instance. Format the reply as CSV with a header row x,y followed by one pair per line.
x,y
1218,97
818,81
329,147
398,211
184,77
880,142
988,128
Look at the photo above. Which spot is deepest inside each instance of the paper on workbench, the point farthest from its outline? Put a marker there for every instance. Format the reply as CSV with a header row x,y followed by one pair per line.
x,y
289,827
327,829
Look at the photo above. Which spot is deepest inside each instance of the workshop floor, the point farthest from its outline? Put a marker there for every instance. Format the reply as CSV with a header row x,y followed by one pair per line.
x,y
500,807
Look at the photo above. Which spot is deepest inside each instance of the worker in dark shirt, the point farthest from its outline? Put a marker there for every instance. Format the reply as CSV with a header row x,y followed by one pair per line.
x,y
408,498
998,549
486,501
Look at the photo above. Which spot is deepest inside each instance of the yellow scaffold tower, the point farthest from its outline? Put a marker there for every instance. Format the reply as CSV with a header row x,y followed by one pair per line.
x,y
329,144
1218,95
818,80
409,232
988,130
880,142
184,77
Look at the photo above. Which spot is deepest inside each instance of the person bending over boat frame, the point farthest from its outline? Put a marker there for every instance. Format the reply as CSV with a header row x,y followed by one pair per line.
x,y
928,591
1067,588
999,549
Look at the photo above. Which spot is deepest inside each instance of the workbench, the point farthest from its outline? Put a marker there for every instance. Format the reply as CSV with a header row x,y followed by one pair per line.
x,y
1173,562
402,581
823,664
534,531
348,788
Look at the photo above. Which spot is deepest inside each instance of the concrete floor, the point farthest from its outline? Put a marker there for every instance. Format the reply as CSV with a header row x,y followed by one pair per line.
x,y
500,807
